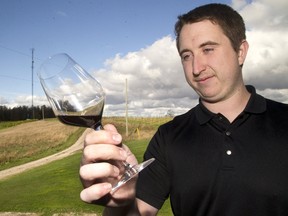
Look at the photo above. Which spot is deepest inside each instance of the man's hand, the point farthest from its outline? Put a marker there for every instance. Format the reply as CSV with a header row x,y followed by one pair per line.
x,y
101,168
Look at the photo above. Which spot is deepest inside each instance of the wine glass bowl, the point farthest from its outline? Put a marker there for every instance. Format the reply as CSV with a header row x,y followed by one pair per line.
x,y
77,99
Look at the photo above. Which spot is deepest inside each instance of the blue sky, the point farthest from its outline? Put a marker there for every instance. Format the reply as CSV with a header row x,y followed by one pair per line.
x,y
107,37
89,30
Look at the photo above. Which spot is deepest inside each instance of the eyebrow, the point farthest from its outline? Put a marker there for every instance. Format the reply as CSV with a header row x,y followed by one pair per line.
x,y
207,43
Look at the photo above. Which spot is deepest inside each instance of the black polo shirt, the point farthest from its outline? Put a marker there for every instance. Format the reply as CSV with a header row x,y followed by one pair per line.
x,y
209,166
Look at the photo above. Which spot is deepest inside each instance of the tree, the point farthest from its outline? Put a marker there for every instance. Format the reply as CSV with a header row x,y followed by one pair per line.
x,y
24,112
170,113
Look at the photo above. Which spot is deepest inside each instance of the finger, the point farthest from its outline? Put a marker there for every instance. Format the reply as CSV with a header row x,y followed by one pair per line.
x,y
90,172
110,127
95,192
103,136
103,152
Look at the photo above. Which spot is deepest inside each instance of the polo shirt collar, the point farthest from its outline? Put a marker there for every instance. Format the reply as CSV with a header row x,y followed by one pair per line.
x,y
255,105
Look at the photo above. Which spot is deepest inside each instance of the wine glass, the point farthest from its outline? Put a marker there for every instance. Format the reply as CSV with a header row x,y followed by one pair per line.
x,y
77,99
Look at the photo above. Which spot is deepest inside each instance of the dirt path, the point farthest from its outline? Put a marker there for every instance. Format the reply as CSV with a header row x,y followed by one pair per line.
x,y
69,151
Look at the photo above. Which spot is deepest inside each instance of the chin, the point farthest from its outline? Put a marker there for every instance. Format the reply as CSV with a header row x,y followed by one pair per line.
x,y
210,98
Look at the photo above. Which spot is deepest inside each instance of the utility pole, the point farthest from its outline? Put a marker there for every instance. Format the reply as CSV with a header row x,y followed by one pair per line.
x,y
126,99
32,67
43,112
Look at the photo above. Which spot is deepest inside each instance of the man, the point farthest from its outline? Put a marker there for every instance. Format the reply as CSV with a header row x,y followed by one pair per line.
x,y
226,156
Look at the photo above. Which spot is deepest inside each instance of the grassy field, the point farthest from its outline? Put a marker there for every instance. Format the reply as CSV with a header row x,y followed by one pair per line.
x,y
55,187
26,141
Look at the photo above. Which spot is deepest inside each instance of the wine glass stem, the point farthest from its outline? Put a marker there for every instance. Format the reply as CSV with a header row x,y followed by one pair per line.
x,y
127,165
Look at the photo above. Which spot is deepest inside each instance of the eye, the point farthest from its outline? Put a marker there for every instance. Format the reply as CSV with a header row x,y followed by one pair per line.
x,y
208,50
186,56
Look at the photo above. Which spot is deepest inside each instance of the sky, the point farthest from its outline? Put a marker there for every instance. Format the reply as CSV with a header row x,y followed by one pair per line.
x,y
130,40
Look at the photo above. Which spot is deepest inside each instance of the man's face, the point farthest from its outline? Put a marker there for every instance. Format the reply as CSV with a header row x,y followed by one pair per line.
x,y
211,65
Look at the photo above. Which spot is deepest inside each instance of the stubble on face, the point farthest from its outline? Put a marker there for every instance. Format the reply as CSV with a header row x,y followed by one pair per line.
x,y
213,71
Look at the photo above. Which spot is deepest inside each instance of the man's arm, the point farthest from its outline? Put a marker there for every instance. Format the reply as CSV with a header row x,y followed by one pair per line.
x,y
145,209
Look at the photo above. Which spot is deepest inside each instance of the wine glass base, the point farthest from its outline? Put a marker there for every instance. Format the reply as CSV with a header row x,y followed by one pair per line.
x,y
130,172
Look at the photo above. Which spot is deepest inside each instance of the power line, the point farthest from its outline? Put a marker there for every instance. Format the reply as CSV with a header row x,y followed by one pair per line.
x,y
32,70
18,52
15,51
17,78
12,77
23,54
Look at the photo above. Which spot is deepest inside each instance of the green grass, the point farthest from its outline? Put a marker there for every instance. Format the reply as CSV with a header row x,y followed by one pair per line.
x,y
55,188
44,153
52,188
7,124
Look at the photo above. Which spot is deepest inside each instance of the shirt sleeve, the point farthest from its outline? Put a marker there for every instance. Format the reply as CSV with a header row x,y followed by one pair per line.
x,y
153,182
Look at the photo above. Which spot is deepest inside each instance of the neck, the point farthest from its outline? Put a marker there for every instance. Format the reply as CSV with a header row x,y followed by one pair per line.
x,y
230,107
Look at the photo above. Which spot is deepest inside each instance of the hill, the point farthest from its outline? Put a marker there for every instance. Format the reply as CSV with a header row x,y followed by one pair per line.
x,y
29,141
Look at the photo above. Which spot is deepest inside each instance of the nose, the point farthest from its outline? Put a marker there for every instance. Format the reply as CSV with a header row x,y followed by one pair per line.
x,y
197,65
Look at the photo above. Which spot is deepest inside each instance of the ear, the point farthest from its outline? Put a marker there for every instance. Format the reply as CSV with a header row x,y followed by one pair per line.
x,y
242,53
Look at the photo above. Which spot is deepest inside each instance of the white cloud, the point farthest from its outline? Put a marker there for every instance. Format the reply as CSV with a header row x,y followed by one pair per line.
x,y
266,66
25,100
267,62
3,100
155,78
265,14
156,81
275,94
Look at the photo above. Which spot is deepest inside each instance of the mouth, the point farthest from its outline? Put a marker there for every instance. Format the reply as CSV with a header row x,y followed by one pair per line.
x,y
203,79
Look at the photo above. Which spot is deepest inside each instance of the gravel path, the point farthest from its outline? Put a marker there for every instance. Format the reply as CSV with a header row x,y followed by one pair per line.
x,y
69,151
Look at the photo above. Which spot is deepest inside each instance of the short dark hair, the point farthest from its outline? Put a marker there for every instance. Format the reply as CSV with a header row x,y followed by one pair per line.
x,y
228,19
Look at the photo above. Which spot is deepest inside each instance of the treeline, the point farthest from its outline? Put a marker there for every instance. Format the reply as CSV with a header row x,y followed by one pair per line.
x,y
25,112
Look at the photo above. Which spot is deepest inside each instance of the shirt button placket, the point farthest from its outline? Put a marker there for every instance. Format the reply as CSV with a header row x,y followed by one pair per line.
x,y
228,162
228,133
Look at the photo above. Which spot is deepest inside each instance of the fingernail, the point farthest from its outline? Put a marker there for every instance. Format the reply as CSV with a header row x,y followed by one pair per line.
x,y
107,186
116,137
